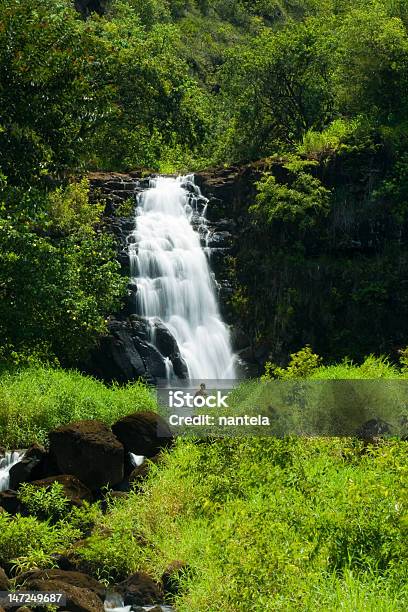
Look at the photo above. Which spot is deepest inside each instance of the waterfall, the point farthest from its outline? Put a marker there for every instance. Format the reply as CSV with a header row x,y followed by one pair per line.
x,y
173,277
6,463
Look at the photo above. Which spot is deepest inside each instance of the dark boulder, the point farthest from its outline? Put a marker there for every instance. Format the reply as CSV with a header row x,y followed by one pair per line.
x,y
168,347
219,240
154,361
4,581
143,433
180,367
164,339
74,578
140,590
140,327
78,599
74,490
89,451
25,470
140,472
133,350
117,358
9,501
371,431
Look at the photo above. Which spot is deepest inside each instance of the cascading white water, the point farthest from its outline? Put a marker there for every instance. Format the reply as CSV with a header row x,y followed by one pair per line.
x,y
173,277
6,463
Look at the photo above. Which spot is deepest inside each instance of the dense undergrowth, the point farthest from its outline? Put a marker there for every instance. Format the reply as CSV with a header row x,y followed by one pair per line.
x,y
258,523
184,85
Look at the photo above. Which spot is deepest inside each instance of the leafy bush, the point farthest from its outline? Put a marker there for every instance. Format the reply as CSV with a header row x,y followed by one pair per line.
x,y
30,539
318,145
300,204
70,210
301,365
58,275
44,502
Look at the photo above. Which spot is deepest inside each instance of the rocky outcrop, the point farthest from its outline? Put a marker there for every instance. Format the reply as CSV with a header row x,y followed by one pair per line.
x,y
127,353
26,469
77,599
143,433
10,502
89,451
4,581
74,578
140,590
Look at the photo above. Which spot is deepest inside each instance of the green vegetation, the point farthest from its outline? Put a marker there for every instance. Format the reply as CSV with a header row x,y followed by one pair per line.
x,y
258,523
261,524
58,274
317,87
35,400
316,90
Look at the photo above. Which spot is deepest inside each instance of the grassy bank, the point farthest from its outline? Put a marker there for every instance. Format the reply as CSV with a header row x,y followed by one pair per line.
x,y
267,524
37,399
258,523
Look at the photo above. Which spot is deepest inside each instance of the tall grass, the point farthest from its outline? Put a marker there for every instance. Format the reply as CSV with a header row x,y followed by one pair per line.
x,y
37,399
268,524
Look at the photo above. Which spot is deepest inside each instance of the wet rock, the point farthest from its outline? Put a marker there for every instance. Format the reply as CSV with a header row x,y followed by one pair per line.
x,y
9,501
117,358
74,490
89,451
152,358
74,578
139,473
78,599
24,470
4,581
180,367
143,433
219,240
140,590
239,339
140,327
164,339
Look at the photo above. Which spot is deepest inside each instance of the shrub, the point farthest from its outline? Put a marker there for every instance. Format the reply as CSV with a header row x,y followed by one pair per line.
x,y
45,502
29,538
299,204
301,365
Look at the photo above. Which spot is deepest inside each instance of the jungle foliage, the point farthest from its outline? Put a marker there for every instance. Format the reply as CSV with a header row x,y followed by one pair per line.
x,y
186,84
